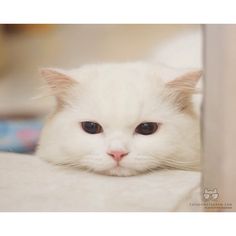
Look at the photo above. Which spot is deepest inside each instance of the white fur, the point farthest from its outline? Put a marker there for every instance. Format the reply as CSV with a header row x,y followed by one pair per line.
x,y
29,184
119,97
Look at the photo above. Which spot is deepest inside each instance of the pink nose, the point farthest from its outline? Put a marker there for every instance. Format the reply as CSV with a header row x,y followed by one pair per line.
x,y
117,155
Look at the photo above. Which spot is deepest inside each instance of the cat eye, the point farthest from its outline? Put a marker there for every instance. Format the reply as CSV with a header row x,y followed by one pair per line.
x,y
146,128
91,127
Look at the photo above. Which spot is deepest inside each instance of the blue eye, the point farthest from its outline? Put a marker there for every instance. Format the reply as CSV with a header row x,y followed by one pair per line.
x,y
91,127
146,128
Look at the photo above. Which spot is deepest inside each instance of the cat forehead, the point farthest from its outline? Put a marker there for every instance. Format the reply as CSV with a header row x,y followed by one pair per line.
x,y
119,77
122,92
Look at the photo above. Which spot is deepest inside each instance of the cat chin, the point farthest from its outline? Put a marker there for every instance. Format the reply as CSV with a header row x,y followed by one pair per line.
x,y
119,171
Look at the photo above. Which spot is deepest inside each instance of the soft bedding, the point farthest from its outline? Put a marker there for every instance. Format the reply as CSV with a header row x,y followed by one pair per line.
x,y
30,184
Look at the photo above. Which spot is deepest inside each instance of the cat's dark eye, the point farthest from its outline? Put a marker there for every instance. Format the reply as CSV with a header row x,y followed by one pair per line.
x,y
146,128
91,127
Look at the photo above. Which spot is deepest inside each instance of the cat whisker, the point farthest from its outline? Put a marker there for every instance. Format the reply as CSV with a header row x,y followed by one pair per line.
x,y
170,163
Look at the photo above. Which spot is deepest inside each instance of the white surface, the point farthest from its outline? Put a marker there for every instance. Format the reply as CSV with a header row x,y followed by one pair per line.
x,y
29,184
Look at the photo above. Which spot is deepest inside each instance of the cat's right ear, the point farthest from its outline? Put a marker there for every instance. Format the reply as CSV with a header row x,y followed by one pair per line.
x,y
58,82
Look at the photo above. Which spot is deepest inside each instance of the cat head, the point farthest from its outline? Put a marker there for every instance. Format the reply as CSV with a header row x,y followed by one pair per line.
x,y
121,119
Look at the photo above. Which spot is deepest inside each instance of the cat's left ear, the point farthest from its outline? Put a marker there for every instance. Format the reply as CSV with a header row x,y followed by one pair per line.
x,y
182,88
59,83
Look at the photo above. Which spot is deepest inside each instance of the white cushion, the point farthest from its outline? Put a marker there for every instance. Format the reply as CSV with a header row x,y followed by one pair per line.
x,y
30,184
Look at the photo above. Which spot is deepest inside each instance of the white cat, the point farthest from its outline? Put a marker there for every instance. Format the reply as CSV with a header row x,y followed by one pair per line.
x,y
121,119
125,119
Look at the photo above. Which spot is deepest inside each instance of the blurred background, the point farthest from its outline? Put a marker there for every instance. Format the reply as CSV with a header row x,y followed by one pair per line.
x,y
26,48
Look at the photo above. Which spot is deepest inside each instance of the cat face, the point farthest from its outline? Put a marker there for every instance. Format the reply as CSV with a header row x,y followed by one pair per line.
x,y
121,119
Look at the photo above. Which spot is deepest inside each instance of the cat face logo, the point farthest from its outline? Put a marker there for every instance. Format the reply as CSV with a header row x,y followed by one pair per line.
x,y
210,194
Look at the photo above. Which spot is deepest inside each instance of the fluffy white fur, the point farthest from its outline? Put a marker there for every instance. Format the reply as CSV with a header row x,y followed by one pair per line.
x,y
30,184
120,97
